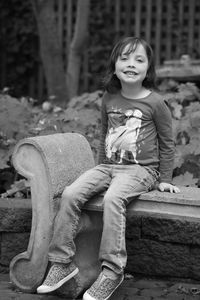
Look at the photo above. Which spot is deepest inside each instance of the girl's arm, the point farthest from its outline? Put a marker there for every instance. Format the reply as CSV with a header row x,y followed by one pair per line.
x,y
163,121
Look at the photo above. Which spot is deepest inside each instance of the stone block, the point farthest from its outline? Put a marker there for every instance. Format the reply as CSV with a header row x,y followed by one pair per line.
x,y
133,228
15,215
158,258
170,229
11,245
195,263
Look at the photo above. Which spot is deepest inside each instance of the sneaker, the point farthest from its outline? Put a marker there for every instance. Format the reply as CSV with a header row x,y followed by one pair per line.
x,y
58,274
103,287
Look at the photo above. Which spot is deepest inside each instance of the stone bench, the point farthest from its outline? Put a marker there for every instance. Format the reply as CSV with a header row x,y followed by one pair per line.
x,y
50,163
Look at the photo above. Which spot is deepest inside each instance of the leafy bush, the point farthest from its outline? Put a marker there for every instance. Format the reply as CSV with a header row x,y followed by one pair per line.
x,y
83,115
185,106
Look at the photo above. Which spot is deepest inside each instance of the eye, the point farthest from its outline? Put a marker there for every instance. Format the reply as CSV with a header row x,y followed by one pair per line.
x,y
123,57
140,60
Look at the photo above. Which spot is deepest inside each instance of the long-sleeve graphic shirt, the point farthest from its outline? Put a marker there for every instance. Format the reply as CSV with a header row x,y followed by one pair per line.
x,y
137,131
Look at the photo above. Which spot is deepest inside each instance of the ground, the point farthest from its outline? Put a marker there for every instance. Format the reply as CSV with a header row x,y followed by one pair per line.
x,y
131,289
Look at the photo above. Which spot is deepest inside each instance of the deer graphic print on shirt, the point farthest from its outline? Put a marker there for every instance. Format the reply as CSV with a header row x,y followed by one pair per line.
x,y
122,140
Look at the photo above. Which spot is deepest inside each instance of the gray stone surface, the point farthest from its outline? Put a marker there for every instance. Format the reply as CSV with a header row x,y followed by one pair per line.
x,y
12,244
8,292
131,289
174,230
50,163
15,226
151,250
157,258
15,215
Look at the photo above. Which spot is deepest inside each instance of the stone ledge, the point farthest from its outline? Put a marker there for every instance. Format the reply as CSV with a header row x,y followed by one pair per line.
x,y
184,204
162,240
156,207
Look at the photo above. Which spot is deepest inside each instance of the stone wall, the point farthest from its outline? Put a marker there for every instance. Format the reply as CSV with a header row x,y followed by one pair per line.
x,y
164,246
15,225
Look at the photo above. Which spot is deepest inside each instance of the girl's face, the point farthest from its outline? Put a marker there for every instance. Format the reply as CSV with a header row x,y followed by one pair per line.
x,y
131,66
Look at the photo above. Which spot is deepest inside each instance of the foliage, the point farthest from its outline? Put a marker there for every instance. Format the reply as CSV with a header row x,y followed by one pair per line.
x,y
185,106
83,115
17,189
102,36
19,44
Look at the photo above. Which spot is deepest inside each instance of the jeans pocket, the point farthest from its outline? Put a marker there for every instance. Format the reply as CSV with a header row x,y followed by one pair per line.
x,y
150,179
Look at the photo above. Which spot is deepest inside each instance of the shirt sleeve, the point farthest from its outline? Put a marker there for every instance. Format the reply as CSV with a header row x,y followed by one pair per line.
x,y
163,121
104,126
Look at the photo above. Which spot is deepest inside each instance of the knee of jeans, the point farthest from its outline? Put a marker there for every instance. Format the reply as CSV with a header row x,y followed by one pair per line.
x,y
111,202
69,197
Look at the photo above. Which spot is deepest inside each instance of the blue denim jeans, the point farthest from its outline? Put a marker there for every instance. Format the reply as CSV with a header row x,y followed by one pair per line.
x,y
121,183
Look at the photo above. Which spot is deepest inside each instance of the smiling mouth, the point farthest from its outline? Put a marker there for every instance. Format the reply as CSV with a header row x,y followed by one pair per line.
x,y
131,73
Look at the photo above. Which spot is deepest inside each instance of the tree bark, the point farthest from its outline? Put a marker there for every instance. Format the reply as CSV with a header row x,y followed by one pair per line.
x,y
51,51
77,47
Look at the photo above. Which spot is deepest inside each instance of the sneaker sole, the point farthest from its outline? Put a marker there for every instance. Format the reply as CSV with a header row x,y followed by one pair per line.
x,y
44,289
86,296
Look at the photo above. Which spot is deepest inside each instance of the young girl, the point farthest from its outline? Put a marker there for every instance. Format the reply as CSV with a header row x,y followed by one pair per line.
x,y
136,151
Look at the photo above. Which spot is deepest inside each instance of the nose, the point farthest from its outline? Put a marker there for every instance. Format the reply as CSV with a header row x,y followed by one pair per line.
x,y
131,62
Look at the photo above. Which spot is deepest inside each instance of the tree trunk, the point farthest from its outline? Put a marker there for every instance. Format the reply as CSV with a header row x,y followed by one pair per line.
x,y
77,46
51,51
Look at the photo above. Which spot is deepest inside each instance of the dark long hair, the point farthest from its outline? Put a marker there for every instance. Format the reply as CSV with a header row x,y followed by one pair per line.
x,y
111,83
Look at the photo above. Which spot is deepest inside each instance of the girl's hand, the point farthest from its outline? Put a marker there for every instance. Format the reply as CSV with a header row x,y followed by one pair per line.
x,y
167,187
